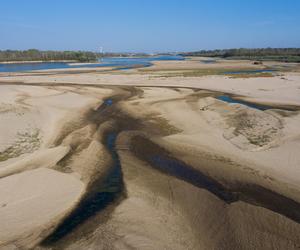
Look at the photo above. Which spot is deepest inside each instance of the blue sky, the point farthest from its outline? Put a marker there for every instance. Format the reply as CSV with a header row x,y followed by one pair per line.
x,y
148,26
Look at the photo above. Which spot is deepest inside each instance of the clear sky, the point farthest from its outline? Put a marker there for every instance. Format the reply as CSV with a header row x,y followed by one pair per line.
x,y
148,25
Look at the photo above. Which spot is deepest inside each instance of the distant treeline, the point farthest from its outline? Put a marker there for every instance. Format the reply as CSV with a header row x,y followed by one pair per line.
x,y
278,54
37,55
122,54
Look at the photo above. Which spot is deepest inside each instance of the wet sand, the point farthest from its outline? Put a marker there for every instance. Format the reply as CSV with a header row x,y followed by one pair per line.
x,y
150,162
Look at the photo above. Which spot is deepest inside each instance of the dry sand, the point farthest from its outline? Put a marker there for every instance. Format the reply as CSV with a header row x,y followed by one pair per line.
x,y
57,133
31,200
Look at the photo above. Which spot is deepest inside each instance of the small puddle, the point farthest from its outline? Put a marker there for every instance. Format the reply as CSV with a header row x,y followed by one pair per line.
x,y
108,102
135,66
208,61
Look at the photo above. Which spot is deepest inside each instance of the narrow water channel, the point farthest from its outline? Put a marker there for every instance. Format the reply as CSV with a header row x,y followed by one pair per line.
x,y
230,99
162,160
103,193
255,71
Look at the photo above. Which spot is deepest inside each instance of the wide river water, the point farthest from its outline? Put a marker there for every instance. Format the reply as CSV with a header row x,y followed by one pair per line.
x,y
120,62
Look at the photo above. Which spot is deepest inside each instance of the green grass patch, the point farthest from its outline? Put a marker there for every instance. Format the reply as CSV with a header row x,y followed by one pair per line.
x,y
249,73
263,74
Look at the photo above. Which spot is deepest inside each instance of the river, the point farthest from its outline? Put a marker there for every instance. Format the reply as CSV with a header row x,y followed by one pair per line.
x,y
122,63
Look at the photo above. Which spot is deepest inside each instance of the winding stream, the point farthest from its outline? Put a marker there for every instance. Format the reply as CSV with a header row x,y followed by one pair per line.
x,y
104,192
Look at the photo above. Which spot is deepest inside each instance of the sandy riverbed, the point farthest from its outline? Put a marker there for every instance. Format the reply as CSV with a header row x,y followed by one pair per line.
x,y
53,132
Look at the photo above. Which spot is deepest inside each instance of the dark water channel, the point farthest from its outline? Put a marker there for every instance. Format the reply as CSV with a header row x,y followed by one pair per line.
x,y
103,193
263,107
229,99
231,192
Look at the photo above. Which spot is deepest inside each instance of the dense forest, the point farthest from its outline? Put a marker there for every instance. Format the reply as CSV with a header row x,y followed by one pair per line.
x,y
37,55
278,54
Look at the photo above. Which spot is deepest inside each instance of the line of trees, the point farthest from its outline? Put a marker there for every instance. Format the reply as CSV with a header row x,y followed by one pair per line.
x,y
38,55
123,54
281,54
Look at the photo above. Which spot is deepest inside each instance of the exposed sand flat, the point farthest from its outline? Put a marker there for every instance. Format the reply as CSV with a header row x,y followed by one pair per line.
x,y
154,162
278,89
31,200
199,63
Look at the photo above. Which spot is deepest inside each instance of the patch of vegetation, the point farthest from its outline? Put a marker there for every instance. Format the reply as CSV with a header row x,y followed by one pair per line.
x,y
249,73
259,140
26,143
38,55
262,54
259,129
7,107
262,74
